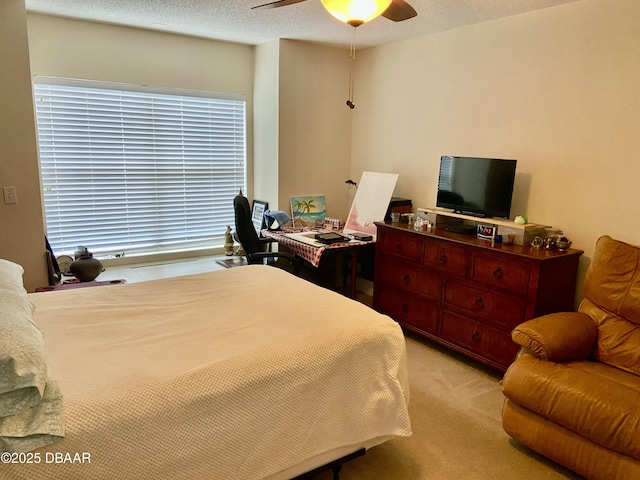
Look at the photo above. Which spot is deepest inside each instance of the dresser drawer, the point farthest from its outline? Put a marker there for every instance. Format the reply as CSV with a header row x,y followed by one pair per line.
x,y
478,338
498,272
446,257
409,309
504,310
409,277
467,294
399,244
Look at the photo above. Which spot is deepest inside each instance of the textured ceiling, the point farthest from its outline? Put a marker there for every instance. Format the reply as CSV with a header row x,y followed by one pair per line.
x,y
234,21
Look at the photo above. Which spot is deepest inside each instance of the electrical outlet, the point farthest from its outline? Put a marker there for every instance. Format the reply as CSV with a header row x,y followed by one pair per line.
x,y
10,195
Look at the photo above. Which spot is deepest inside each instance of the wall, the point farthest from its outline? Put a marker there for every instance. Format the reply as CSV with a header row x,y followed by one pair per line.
x,y
266,94
302,126
557,89
314,125
78,49
22,239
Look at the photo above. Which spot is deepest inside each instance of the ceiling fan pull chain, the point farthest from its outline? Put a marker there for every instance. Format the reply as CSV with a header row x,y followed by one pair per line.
x,y
352,54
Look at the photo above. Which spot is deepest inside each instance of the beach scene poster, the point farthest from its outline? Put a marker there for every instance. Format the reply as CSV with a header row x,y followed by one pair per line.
x,y
308,210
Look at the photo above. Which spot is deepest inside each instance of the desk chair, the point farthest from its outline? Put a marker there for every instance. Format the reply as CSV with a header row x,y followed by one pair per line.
x,y
253,246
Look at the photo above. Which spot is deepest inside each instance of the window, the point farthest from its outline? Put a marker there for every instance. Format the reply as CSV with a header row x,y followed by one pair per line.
x,y
132,169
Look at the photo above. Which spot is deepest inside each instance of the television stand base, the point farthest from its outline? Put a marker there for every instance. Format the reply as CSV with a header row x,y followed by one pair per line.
x,y
470,214
461,228
523,234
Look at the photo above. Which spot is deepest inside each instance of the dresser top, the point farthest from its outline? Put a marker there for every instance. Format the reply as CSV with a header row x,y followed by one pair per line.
x,y
472,240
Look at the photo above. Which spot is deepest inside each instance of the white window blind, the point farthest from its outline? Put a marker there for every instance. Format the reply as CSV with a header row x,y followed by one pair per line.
x,y
129,169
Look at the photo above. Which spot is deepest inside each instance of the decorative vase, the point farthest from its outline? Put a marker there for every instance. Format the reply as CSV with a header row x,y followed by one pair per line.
x,y
86,269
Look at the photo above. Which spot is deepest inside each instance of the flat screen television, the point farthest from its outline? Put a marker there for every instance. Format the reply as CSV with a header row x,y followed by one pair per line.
x,y
481,187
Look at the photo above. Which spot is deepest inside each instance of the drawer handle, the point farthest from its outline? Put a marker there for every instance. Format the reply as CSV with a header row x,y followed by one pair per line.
x,y
398,247
407,278
497,273
476,336
405,307
443,258
479,302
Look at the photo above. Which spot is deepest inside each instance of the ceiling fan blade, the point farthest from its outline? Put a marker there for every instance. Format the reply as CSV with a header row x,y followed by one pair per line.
x,y
399,10
278,3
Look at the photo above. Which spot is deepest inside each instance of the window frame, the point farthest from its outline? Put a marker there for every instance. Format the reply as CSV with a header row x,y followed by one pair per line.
x,y
239,158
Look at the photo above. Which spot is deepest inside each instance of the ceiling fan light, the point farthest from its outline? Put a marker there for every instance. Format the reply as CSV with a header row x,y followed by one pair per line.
x,y
355,12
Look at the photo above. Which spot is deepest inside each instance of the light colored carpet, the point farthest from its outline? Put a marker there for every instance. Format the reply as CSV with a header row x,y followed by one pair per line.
x,y
455,412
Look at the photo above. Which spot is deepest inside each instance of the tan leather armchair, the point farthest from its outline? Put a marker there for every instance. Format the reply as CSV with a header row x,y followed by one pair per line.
x,y
573,393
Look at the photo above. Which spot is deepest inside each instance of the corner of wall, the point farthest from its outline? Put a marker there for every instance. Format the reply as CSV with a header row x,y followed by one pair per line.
x,y
22,223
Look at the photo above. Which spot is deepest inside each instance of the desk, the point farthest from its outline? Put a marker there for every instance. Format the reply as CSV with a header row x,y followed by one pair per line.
x,y
312,251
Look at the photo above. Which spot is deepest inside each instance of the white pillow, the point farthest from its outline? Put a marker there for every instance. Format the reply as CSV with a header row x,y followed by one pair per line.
x,y
23,366
30,400
36,426
11,276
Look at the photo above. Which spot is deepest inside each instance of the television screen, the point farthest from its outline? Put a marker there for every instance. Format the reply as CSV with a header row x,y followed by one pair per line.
x,y
476,186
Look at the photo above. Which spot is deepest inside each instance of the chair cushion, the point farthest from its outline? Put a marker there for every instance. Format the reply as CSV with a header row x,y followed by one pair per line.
x,y
618,342
612,281
612,291
589,398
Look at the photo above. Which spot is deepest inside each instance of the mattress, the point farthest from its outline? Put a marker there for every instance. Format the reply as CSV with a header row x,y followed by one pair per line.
x,y
245,373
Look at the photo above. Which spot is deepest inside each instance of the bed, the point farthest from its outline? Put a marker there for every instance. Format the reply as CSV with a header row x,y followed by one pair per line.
x,y
244,373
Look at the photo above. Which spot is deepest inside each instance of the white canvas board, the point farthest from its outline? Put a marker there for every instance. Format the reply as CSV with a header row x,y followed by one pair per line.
x,y
371,202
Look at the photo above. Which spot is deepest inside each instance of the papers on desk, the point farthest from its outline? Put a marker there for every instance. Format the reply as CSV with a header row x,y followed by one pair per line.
x,y
309,239
305,237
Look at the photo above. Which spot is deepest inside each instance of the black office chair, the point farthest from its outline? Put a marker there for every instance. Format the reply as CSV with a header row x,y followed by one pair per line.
x,y
255,247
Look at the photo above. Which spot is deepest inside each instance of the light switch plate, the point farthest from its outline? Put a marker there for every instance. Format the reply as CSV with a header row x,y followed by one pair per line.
x,y
10,195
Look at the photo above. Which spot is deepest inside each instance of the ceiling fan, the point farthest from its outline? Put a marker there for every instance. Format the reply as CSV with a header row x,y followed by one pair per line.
x,y
396,10
355,13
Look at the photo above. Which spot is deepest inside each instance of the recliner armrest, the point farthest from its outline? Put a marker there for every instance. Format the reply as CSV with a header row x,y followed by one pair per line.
x,y
558,337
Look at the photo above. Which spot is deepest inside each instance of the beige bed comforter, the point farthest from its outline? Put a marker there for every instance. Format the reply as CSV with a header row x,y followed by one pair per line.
x,y
236,374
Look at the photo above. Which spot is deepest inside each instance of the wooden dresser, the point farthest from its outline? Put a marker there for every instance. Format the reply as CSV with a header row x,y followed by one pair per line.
x,y
466,294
